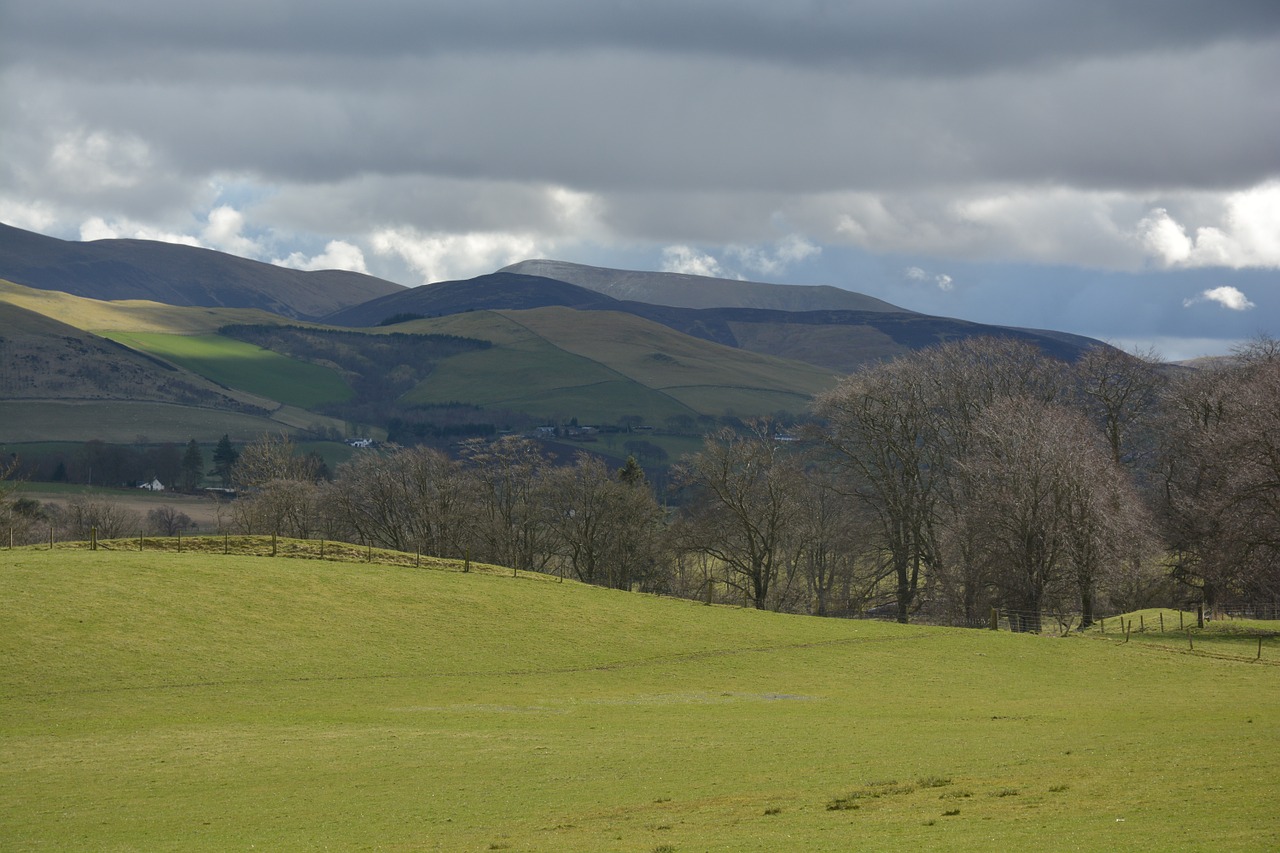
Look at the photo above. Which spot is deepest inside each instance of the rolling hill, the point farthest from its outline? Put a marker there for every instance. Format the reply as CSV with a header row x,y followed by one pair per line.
x,y
538,341
837,338
696,291
178,275
190,701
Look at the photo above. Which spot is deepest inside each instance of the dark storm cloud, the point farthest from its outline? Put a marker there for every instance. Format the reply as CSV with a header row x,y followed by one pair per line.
x,y
938,37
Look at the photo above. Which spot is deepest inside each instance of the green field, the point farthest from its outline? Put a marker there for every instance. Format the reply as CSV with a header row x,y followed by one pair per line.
x,y
122,421
599,366
164,701
244,366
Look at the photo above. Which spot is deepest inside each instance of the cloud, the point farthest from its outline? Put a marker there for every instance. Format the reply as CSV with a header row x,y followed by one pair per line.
x,y
337,255
96,161
223,233
1226,296
1245,233
441,257
943,281
96,228
773,261
689,261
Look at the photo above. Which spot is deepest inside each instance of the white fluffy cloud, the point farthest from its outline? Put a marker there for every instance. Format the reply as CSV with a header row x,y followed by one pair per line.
x,y
773,261
97,228
224,233
1226,296
337,255
689,261
1245,232
442,256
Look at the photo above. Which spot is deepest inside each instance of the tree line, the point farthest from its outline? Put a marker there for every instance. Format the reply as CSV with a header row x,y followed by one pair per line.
x,y
971,475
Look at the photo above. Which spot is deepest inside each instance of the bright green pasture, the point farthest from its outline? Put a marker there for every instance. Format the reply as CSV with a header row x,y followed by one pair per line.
x,y
244,366
178,702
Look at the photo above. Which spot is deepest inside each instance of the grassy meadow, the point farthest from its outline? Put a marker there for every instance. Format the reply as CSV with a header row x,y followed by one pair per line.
x,y
165,701
237,364
598,366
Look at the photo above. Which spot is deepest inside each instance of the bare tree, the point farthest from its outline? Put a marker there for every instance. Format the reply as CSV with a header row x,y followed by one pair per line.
x,y
744,488
111,520
167,521
1221,476
505,482
881,429
279,491
1121,392
1049,506
408,498
605,528
830,539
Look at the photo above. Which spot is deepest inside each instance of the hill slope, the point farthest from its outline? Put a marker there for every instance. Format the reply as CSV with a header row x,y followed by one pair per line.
x,y
558,363
697,291
178,275
838,339
184,702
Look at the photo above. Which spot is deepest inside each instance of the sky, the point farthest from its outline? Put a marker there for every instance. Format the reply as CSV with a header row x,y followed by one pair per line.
x,y
1110,169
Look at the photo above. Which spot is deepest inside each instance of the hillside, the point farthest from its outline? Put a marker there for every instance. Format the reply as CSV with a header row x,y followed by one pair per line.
x,y
837,339
557,363
697,291
73,368
178,275
187,702
41,359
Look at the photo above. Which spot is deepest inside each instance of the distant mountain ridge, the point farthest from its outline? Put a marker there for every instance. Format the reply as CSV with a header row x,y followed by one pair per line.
x,y
837,338
178,275
680,290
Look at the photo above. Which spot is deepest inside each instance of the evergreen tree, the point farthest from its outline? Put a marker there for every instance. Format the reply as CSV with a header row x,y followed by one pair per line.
x,y
192,467
224,459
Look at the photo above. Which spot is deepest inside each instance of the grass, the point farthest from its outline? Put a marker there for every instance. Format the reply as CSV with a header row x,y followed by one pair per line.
x,y
597,366
237,364
122,421
130,315
205,702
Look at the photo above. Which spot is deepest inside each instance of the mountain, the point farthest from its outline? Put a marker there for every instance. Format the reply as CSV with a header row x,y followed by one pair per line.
x,y
495,291
178,275
839,339
696,291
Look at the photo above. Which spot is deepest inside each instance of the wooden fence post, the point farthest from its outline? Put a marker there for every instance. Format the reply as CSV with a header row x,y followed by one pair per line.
x,y
93,538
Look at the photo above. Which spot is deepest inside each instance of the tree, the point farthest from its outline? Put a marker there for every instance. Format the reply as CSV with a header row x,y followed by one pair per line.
x,y
408,498
272,457
1048,504
882,434
111,520
224,460
1120,392
505,480
1220,476
830,539
605,528
744,500
167,521
192,467
281,496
